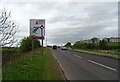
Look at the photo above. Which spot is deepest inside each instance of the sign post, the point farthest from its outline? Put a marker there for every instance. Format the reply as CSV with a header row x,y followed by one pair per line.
x,y
37,31
42,39
32,46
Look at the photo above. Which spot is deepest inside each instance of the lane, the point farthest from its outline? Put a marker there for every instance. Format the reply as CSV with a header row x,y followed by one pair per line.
x,y
102,60
79,68
105,62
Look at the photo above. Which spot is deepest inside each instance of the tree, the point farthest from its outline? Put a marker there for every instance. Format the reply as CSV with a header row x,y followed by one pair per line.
x,y
26,44
8,29
79,45
103,44
68,44
94,40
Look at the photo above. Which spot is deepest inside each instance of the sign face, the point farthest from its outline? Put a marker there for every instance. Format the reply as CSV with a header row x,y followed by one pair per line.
x,y
37,28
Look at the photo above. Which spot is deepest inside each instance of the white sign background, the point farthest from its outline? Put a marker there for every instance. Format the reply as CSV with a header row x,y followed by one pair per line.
x,y
33,24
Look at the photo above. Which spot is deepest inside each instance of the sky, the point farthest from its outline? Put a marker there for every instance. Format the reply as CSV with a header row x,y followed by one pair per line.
x,y
66,21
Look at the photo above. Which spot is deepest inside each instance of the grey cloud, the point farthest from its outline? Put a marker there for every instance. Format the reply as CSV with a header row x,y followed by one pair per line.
x,y
71,21
77,21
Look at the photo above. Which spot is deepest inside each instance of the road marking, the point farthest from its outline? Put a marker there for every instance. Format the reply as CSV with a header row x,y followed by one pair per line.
x,y
63,51
68,52
102,65
78,56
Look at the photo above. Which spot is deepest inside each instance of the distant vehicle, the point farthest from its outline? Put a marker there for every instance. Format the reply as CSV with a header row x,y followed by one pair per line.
x,y
63,48
58,46
49,46
54,47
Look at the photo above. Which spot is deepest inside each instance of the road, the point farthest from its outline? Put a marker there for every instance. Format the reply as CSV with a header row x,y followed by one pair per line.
x,y
80,66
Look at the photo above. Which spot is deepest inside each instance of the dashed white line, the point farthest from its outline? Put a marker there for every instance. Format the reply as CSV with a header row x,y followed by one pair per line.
x,y
63,51
78,56
102,65
68,53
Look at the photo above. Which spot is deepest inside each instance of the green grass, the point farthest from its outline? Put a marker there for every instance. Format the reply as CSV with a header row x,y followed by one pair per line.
x,y
110,43
104,56
114,52
33,68
113,43
97,54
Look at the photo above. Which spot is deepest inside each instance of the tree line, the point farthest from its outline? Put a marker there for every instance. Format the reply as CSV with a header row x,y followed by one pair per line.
x,y
103,45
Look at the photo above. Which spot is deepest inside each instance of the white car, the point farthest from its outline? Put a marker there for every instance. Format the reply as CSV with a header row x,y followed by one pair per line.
x,y
63,48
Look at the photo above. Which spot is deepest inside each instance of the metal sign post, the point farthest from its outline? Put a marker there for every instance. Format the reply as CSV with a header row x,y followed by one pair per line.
x,y
42,40
42,48
32,46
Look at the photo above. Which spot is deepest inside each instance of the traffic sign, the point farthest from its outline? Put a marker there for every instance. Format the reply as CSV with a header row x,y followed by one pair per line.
x,y
38,37
37,28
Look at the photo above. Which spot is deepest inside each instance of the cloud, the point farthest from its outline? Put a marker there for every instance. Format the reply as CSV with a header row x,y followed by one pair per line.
x,y
67,21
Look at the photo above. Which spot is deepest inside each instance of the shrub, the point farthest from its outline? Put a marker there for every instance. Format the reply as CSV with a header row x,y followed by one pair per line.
x,y
84,45
79,45
103,44
26,44
68,44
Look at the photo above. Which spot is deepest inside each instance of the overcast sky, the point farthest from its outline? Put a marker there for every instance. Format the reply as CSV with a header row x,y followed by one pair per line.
x,y
66,21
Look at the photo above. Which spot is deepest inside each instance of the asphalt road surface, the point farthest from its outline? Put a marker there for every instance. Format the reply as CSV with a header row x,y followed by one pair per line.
x,y
80,66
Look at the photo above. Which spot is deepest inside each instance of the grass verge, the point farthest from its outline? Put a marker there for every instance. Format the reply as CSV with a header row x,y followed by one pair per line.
x,y
31,67
112,52
99,55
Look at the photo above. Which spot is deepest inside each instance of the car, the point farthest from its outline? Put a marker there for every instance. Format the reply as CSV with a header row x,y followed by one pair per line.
x,y
54,47
63,48
58,46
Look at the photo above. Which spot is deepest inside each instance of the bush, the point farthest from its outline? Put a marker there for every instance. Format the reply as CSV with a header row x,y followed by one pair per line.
x,y
26,44
103,44
79,45
68,44
84,45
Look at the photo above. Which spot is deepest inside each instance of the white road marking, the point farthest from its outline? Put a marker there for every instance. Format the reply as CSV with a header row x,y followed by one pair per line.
x,y
68,52
63,51
102,65
78,56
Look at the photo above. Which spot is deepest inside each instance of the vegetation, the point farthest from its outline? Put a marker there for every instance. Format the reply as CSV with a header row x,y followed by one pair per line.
x,y
102,46
68,44
83,45
10,54
8,29
26,44
32,67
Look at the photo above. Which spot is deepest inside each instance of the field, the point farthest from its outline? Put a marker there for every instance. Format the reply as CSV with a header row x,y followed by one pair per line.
x,y
31,67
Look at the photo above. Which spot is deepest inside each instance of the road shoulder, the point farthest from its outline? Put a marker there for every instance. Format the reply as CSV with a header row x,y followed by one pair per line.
x,y
64,75
116,57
